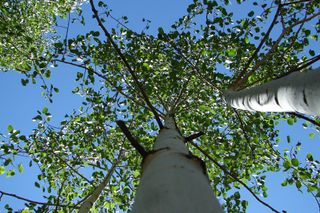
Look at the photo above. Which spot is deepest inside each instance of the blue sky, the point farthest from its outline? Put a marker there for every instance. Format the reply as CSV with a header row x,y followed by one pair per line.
x,y
19,105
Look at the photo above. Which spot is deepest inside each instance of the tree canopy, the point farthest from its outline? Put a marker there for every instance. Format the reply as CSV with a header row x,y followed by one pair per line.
x,y
138,78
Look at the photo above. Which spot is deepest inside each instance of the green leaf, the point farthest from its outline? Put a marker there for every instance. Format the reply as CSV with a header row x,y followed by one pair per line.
x,y
2,170
126,190
145,67
244,204
311,135
38,117
47,74
314,37
45,110
251,13
160,30
58,45
24,82
231,52
287,164
37,184
7,161
284,183
95,33
290,121
10,128
288,139
311,52
26,210
10,173
56,89
309,157
136,174
295,162
20,168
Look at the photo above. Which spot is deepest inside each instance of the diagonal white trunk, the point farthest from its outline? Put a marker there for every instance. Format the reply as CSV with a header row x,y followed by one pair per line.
x,y
296,92
88,203
172,180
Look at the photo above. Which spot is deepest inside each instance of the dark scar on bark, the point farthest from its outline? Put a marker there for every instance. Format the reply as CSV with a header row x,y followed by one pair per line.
x,y
305,97
277,100
199,160
259,101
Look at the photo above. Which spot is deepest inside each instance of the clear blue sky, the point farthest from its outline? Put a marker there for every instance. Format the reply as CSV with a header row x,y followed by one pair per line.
x,y
19,104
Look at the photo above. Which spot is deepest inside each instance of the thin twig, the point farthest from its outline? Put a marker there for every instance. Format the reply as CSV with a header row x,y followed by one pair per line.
x,y
195,68
297,2
243,129
305,118
254,55
33,201
59,195
240,81
181,93
66,37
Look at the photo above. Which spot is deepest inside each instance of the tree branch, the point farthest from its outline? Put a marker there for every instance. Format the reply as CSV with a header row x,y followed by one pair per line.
x,y
245,76
59,195
254,55
34,202
309,63
123,58
305,118
243,129
181,93
192,137
296,2
133,141
234,177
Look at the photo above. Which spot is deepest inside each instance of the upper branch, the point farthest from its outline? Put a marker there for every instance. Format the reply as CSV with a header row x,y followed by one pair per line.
x,y
131,139
124,60
255,53
244,75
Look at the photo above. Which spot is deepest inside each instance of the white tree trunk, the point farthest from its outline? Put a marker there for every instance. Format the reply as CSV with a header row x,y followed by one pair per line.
x,y
296,92
88,203
172,180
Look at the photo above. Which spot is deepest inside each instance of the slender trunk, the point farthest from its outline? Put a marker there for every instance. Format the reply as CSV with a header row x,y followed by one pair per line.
x,y
173,180
88,203
296,92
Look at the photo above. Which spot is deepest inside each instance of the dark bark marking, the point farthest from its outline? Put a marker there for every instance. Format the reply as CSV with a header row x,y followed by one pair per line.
x,y
199,161
259,101
277,100
305,97
150,156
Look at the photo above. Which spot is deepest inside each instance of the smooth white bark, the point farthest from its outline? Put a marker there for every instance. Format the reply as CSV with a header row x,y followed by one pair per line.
x,y
173,181
88,203
296,92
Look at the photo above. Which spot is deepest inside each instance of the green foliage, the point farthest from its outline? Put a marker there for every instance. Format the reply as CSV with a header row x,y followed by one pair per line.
x,y
178,69
23,29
